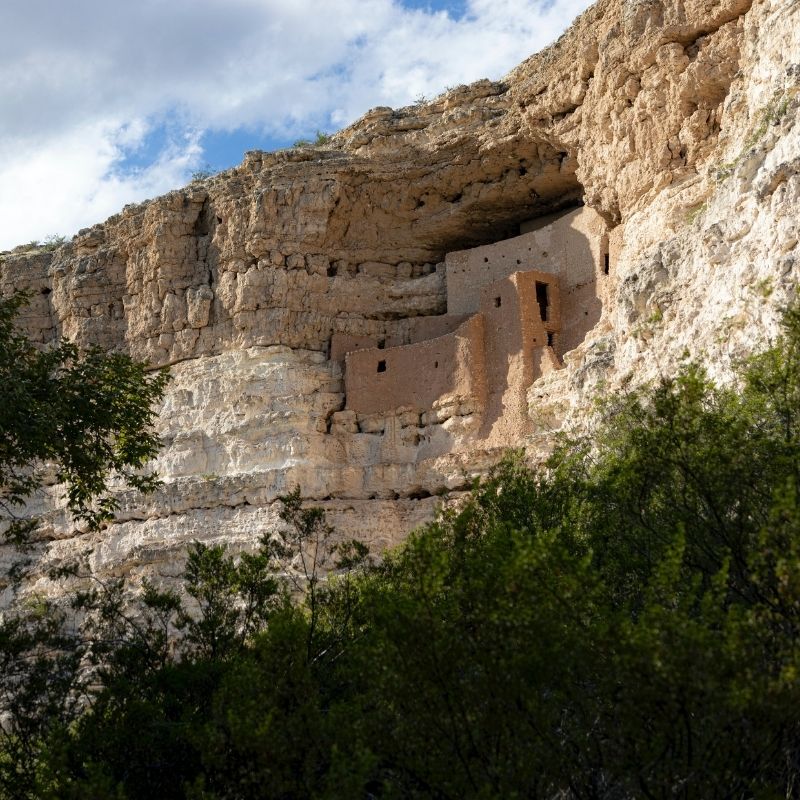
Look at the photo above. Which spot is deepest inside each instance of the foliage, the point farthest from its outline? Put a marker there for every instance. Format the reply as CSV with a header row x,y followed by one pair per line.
x,y
320,139
54,241
621,624
50,243
85,419
200,175
86,414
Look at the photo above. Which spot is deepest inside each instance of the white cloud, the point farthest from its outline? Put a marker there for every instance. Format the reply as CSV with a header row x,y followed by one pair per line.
x,y
82,83
60,183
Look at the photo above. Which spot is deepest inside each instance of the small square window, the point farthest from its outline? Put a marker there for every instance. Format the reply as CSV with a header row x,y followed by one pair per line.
x,y
381,366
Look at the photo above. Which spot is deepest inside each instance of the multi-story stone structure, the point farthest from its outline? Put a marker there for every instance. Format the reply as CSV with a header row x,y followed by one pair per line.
x,y
513,309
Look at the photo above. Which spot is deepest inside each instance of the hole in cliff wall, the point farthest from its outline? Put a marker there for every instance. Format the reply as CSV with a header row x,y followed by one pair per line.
x,y
606,263
381,344
332,271
202,225
381,366
47,290
498,301
550,339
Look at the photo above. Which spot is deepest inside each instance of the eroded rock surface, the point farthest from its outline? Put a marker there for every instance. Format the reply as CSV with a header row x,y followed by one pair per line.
x,y
675,120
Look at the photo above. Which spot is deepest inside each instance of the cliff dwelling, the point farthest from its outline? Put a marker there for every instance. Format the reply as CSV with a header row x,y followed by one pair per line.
x,y
514,308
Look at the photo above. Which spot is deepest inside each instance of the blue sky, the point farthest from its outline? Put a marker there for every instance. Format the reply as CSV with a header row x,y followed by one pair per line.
x,y
456,8
107,102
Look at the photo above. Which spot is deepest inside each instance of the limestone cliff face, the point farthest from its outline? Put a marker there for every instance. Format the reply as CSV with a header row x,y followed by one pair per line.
x,y
675,120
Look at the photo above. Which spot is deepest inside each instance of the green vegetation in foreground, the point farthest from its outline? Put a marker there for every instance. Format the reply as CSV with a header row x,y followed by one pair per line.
x,y
622,624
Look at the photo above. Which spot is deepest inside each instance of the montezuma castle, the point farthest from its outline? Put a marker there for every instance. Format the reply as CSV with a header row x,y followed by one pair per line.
x,y
514,308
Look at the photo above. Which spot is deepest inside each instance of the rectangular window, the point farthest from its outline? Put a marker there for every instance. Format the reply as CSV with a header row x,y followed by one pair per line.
x,y
381,366
543,299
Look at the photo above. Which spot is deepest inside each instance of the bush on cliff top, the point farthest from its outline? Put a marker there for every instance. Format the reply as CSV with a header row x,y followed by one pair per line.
x,y
621,624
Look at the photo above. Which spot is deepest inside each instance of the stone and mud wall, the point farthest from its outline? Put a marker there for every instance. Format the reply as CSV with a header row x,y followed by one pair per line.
x,y
673,120
421,374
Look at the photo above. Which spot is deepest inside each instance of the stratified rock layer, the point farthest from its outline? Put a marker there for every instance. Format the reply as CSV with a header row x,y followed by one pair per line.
x,y
676,121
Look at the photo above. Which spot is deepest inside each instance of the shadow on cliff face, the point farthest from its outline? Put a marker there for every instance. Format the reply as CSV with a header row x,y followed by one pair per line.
x,y
424,209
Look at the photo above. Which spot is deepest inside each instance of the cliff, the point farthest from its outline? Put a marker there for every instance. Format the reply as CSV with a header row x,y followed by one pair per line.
x,y
673,120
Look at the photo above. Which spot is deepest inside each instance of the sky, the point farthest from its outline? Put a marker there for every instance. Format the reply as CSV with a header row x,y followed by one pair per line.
x,y
108,102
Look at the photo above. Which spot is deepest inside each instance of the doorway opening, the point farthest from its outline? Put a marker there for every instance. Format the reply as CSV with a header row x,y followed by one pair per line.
x,y
543,299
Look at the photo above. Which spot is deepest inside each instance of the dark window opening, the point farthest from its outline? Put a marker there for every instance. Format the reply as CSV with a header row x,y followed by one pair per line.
x,y
550,339
498,301
381,366
518,261
543,299
332,271
381,344
46,290
606,263
219,220
435,364
485,260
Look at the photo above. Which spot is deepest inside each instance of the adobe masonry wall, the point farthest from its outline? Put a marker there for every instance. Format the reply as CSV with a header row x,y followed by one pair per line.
x,y
418,374
493,342
490,358
570,245
516,337
419,329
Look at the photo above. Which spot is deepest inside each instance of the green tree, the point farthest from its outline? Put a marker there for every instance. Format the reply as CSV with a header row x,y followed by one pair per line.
x,y
88,414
